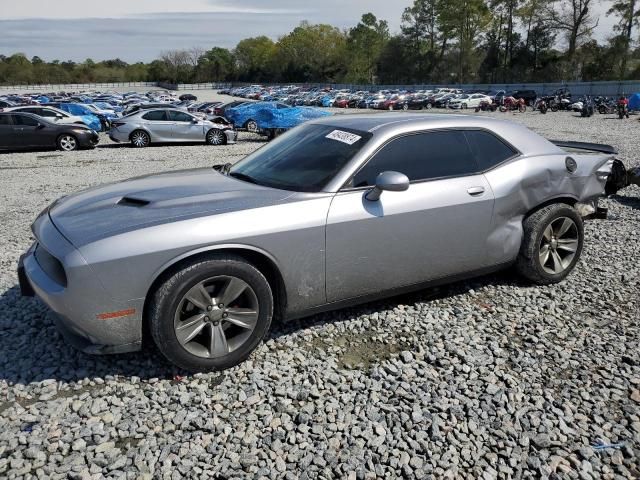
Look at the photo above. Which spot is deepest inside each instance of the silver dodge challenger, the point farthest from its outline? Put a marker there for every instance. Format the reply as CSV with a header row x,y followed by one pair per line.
x,y
335,212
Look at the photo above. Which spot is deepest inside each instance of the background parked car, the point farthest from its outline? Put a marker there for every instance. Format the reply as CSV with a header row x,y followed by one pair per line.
x,y
90,119
20,131
49,113
168,126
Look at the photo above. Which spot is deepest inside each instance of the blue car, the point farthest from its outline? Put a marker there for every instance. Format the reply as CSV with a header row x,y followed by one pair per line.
x,y
269,118
88,117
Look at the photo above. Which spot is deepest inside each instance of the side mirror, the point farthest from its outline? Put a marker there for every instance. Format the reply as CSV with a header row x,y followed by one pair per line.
x,y
195,120
40,126
59,116
388,181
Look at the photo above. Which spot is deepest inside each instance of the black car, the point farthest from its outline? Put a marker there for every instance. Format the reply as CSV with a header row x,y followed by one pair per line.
x,y
21,131
220,109
187,96
529,96
417,102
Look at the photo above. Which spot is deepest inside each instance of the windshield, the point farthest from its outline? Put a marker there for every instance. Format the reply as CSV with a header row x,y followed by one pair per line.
x,y
303,160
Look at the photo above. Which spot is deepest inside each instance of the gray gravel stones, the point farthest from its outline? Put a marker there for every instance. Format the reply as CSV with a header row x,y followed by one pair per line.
x,y
489,378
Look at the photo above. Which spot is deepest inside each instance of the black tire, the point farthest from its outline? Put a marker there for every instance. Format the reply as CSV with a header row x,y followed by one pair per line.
x,y
529,264
167,299
215,136
140,139
252,126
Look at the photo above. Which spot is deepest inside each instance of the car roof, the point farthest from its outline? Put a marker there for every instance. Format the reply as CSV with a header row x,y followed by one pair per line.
x,y
391,124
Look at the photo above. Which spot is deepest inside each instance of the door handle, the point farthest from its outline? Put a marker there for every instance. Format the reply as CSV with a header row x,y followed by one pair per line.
x,y
475,191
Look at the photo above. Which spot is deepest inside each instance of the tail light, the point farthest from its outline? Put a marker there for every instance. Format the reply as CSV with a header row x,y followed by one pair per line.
x,y
117,124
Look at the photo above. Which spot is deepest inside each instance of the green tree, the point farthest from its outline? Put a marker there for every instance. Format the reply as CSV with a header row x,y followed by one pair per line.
x,y
312,53
628,13
254,59
365,43
217,65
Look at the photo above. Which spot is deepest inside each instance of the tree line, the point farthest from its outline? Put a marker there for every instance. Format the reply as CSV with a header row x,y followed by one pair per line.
x,y
440,41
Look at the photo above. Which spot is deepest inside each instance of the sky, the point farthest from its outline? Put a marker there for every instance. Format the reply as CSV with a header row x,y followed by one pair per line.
x,y
139,30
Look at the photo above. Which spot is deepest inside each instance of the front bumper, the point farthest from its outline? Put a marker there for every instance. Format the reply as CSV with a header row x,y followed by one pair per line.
x,y
232,136
81,306
89,140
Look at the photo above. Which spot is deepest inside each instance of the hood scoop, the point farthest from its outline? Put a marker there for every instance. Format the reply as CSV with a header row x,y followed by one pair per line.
x,y
133,202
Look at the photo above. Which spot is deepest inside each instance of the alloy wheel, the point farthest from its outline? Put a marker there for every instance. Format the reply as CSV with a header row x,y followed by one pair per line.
x,y
68,143
216,137
558,245
140,139
216,316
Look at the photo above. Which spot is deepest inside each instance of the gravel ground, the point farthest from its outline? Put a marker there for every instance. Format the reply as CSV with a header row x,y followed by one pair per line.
x,y
489,378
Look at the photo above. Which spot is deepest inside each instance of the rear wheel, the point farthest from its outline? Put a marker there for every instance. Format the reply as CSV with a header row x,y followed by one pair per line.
x,y
429,106
211,314
552,243
140,139
216,137
67,142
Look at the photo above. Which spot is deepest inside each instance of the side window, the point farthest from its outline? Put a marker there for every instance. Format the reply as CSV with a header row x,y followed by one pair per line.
x,y
488,149
179,116
157,115
25,121
47,113
421,156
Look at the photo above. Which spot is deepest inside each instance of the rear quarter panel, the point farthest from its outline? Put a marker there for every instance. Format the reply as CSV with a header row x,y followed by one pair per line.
x,y
522,185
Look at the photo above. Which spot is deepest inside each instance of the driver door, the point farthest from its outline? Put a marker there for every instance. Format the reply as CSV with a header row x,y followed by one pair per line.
x,y
186,128
29,132
435,229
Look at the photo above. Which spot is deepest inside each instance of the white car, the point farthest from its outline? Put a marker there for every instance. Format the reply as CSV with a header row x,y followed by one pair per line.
x,y
50,113
472,100
94,108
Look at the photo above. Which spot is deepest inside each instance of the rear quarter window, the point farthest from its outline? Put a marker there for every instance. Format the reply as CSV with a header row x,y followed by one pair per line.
x,y
488,149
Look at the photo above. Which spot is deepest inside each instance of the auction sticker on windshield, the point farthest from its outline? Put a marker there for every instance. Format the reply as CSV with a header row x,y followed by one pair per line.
x,y
344,137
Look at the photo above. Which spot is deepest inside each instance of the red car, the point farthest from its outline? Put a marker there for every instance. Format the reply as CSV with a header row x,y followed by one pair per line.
x,y
394,103
341,102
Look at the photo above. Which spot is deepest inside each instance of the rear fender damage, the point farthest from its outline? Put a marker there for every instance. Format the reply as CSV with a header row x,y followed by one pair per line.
x,y
581,186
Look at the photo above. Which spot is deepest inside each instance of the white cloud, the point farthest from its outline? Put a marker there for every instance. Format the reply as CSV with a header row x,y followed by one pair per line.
x,y
73,9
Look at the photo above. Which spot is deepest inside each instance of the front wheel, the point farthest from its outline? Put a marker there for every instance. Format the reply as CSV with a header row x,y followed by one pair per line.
x,y
67,143
552,242
211,314
216,137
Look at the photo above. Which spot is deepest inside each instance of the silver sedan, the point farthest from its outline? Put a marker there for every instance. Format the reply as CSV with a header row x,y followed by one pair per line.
x,y
145,127
335,212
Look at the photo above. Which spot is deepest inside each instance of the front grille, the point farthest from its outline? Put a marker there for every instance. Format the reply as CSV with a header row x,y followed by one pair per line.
x,y
50,265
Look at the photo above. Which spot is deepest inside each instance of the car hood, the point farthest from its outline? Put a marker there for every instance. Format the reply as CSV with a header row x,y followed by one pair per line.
x,y
141,202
